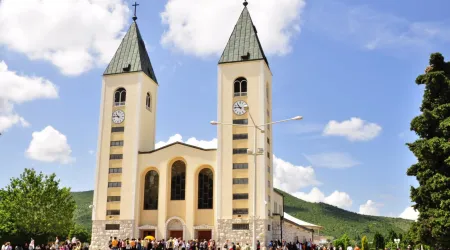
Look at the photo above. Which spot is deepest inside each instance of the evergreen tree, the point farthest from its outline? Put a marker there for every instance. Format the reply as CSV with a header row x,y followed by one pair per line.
x,y
391,236
432,149
378,241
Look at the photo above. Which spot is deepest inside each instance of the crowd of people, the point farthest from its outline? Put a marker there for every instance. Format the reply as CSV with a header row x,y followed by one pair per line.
x,y
170,244
68,244
179,244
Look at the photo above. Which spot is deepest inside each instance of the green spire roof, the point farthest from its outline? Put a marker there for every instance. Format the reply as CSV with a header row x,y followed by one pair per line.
x,y
244,43
131,56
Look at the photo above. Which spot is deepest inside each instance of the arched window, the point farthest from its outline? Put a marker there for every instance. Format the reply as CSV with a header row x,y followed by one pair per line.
x,y
205,189
148,102
178,183
240,87
151,190
120,96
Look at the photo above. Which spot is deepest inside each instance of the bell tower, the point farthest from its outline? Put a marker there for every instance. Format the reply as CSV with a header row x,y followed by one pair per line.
x,y
245,182
126,126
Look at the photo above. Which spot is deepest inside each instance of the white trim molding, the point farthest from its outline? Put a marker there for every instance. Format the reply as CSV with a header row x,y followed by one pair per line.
x,y
183,223
203,227
147,227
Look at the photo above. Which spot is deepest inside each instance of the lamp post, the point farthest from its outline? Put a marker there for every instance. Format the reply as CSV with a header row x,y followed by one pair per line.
x,y
255,152
397,241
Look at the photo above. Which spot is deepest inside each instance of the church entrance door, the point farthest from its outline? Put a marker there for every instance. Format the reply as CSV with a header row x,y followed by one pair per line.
x,y
204,235
149,233
176,234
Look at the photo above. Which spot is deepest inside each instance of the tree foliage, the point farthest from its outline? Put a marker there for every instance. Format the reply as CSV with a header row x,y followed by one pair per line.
x,y
432,149
34,205
391,236
364,243
378,241
343,241
80,233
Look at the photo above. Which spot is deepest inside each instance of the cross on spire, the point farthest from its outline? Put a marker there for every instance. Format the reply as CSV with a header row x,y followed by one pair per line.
x,y
135,5
245,3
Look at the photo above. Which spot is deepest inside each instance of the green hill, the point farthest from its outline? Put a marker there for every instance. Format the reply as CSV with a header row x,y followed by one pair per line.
x,y
336,221
83,214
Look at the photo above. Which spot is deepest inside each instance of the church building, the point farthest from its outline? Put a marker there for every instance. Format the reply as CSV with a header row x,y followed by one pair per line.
x,y
180,190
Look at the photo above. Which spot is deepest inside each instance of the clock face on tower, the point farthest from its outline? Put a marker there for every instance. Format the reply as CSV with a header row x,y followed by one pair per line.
x,y
118,116
239,107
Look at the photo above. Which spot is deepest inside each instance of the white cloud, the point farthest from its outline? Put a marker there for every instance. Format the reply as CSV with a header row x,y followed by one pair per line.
x,y
191,141
17,89
202,33
91,152
373,30
337,198
49,145
370,208
332,160
73,35
410,214
291,178
354,129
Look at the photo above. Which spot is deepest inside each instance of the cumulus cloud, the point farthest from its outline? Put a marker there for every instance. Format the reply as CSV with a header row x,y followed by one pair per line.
x,y
291,178
50,145
191,141
72,35
17,89
370,208
354,129
332,160
337,198
195,31
410,214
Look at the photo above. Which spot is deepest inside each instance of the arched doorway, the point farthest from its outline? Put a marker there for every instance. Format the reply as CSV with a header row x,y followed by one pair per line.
x,y
175,228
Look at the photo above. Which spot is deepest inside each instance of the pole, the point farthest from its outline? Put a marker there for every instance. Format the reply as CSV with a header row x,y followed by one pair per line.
x,y
254,185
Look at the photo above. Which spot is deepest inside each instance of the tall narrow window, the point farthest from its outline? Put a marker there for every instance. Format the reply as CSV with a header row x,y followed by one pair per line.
x,y
120,96
205,189
151,190
148,102
240,87
178,183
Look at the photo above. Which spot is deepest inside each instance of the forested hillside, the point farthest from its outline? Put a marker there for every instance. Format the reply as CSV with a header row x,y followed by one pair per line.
x,y
336,221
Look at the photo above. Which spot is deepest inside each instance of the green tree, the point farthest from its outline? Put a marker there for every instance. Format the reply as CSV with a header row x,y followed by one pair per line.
x,y
345,240
391,236
358,239
80,233
378,240
34,206
364,243
432,150
391,245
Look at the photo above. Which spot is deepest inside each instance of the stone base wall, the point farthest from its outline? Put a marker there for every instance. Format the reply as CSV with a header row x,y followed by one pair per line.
x,y
293,233
100,236
225,232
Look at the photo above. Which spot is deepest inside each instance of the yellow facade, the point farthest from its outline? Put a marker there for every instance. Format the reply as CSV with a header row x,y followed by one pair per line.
x,y
181,190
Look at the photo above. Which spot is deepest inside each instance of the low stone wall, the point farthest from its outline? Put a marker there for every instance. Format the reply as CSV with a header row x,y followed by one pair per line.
x,y
100,236
292,233
226,232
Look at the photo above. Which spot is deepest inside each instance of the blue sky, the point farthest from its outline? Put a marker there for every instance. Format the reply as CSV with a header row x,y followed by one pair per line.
x,y
331,61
